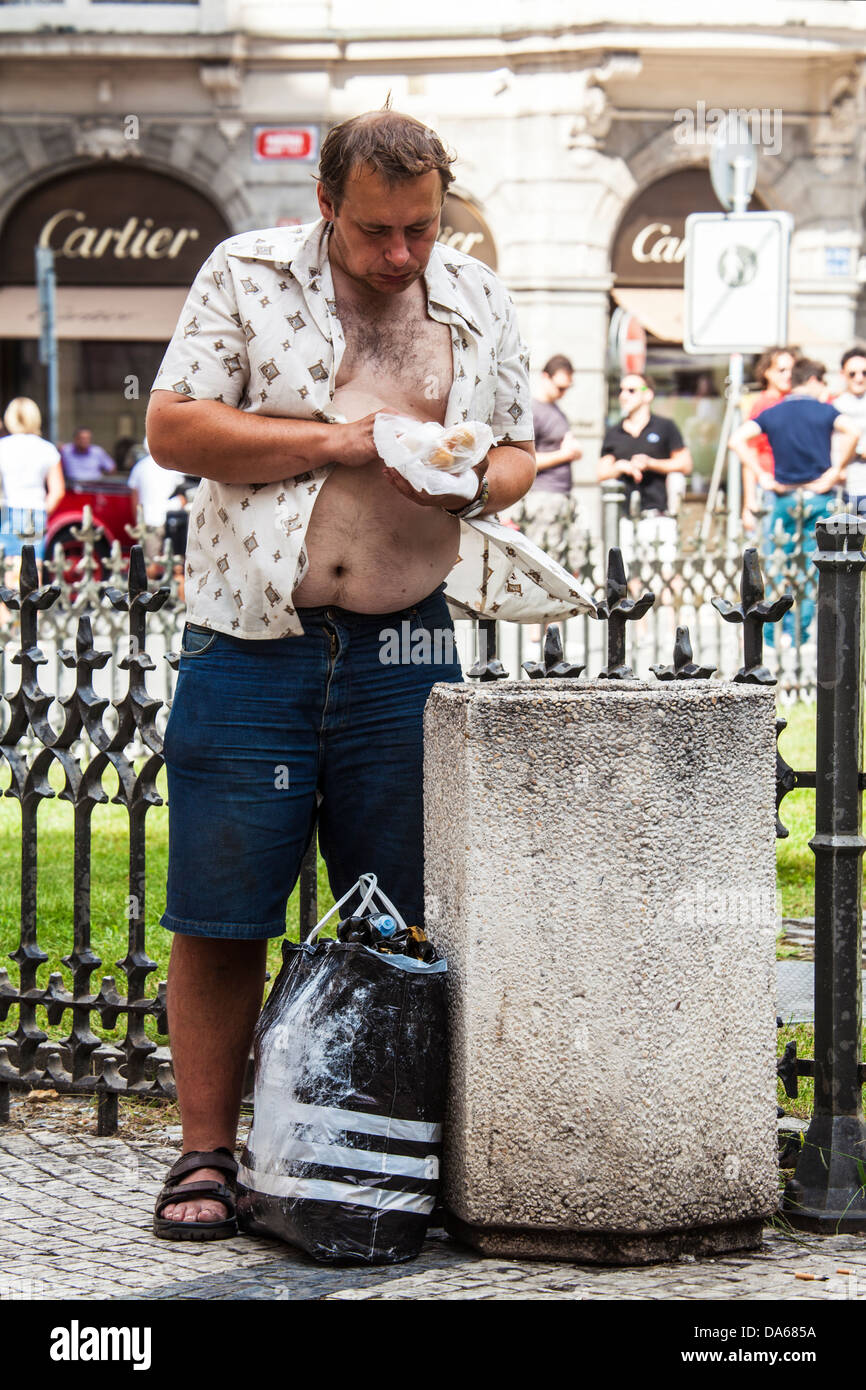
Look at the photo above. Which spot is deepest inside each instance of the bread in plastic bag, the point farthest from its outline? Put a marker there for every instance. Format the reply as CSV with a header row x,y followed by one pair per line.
x,y
436,459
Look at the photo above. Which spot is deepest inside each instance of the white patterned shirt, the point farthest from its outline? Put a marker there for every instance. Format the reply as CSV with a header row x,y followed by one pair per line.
x,y
259,331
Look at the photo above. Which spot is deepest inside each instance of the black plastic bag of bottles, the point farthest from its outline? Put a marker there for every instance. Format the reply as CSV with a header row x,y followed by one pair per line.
x,y
350,1062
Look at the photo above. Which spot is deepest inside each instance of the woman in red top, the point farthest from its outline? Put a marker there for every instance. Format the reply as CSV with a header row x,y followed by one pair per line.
x,y
774,377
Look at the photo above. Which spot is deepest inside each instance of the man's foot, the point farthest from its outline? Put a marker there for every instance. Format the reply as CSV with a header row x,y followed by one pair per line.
x,y
198,1208
197,1201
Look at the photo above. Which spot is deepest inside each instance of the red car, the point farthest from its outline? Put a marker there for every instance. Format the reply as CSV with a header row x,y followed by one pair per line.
x,y
110,502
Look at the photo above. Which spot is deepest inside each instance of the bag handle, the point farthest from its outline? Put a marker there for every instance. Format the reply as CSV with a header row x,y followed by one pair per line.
x,y
369,888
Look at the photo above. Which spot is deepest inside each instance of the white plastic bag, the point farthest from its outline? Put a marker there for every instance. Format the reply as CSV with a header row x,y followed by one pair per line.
x,y
433,458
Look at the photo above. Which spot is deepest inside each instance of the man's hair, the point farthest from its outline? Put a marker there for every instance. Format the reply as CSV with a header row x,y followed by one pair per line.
x,y
557,364
396,147
852,352
804,369
767,359
644,377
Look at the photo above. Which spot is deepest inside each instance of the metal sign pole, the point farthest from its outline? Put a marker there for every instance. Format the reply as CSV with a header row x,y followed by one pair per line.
x,y
743,176
45,285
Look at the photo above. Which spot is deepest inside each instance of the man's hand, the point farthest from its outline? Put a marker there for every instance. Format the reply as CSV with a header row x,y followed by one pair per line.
x,y
825,483
630,468
449,501
353,443
570,448
766,481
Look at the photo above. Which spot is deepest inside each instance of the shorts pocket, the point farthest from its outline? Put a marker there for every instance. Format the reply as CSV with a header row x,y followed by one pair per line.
x,y
197,641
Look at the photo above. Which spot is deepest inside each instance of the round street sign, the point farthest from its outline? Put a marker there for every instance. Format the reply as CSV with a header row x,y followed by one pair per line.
x,y
733,148
626,342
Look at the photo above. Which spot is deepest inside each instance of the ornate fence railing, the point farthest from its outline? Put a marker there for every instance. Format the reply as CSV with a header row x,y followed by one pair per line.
x,y
686,576
85,733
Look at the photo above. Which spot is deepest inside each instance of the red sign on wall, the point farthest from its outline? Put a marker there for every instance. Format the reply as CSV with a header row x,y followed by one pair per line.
x,y
286,142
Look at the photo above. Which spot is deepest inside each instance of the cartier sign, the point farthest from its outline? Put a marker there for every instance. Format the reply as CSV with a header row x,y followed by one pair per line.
x,y
464,228
112,226
650,244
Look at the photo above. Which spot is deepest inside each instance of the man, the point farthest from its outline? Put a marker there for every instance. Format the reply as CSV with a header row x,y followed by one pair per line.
x,y
555,446
84,461
155,490
800,429
289,343
852,403
644,449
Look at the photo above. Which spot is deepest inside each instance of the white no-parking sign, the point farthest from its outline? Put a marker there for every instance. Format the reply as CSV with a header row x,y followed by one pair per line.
x,y
736,281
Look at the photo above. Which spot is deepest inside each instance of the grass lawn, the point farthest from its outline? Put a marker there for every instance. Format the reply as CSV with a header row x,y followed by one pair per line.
x,y
795,862
108,893
109,885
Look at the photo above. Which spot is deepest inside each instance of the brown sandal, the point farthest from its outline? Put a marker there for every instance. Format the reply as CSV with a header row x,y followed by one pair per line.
x,y
175,1191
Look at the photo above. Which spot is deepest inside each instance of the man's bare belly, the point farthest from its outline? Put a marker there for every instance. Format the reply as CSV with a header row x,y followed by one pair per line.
x,y
370,549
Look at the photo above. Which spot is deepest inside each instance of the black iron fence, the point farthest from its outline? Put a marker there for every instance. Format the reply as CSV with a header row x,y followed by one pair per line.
x,y
94,733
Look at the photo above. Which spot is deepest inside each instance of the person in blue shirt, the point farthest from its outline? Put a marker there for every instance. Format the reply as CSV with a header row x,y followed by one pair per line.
x,y
800,429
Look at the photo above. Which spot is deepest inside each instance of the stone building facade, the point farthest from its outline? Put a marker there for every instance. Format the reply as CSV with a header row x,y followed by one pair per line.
x,y
581,133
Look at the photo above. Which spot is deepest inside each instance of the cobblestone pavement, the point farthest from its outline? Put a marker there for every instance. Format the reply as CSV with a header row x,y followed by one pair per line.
x,y
77,1225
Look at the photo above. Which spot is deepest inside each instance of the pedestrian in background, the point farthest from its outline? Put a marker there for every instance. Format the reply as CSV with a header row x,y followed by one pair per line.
x,y
800,429
555,446
84,461
31,477
155,490
773,373
852,403
644,449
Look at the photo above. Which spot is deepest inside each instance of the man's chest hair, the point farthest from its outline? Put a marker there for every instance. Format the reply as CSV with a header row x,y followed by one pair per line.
x,y
399,338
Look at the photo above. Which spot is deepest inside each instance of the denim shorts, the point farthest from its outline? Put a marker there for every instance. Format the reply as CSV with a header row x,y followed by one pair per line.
x,y
261,731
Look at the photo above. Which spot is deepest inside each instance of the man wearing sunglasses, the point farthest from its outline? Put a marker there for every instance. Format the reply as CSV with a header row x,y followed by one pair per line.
x,y
852,403
643,449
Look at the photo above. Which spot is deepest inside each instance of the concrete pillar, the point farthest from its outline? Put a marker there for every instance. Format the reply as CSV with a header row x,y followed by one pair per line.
x,y
600,872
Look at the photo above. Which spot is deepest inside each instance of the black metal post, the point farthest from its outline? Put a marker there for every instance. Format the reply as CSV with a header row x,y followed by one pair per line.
x,y
488,667
308,909
616,609
828,1190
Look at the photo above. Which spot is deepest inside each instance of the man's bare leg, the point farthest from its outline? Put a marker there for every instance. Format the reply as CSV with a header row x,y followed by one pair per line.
x,y
214,996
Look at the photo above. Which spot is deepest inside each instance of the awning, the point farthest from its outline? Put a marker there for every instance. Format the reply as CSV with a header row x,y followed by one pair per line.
x,y
660,311
136,314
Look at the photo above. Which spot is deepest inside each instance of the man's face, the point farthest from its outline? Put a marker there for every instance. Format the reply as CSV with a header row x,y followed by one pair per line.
x,y
633,391
83,440
383,233
854,372
561,380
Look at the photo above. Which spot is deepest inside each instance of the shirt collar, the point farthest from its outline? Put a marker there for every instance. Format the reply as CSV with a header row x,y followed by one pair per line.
x,y
442,278
307,257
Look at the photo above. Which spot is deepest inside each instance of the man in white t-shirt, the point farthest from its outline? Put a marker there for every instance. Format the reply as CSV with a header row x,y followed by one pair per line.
x,y
154,489
852,402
